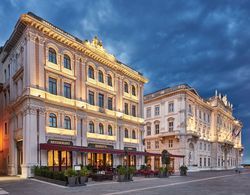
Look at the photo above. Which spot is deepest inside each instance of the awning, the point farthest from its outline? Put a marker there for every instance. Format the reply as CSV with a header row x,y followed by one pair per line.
x,y
171,155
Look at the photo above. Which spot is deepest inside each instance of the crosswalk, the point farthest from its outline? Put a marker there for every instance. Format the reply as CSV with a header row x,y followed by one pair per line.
x,y
3,192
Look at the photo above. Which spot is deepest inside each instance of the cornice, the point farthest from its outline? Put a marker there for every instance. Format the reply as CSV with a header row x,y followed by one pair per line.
x,y
84,47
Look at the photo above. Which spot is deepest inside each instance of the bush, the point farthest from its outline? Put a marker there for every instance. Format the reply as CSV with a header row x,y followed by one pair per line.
x,y
70,172
84,171
121,170
131,170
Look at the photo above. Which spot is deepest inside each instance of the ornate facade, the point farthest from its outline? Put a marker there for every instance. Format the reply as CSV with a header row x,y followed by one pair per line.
x,y
64,101
178,120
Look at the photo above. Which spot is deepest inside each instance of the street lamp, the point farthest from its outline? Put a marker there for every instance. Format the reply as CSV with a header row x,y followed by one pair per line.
x,y
126,155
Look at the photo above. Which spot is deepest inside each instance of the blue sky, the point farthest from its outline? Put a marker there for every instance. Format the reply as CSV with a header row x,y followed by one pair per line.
x,y
203,43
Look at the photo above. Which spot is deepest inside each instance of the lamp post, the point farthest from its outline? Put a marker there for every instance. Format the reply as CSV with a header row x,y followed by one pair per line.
x,y
126,154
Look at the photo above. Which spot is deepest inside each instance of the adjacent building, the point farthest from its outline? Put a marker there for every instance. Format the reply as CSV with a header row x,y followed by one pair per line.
x,y
65,102
178,120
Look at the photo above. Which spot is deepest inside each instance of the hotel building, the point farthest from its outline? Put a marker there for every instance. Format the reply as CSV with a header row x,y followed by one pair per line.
x,y
178,120
65,102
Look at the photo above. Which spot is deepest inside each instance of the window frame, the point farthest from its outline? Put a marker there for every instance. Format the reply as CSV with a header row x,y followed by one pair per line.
x,y
53,120
100,76
67,90
67,122
52,56
66,61
52,86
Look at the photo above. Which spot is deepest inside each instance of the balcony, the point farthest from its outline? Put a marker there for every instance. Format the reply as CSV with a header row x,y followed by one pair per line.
x,y
60,131
101,136
130,140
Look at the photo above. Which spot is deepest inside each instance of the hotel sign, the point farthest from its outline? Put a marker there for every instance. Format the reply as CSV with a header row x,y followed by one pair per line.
x,y
60,142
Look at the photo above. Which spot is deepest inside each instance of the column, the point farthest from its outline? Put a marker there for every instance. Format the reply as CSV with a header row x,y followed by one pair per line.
x,y
12,167
43,161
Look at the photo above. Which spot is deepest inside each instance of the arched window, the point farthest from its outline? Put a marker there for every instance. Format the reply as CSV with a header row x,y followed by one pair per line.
x,y
67,62
67,122
126,87
110,80
126,133
101,129
133,134
91,127
52,56
91,72
100,76
52,120
133,90
110,132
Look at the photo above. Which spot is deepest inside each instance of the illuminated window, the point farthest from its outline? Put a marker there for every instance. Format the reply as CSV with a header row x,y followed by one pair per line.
x,y
91,127
126,133
126,108
101,128
126,87
109,80
110,130
134,110
67,122
91,98
100,76
133,134
53,86
110,103
67,90
52,56
66,62
52,120
133,90
91,72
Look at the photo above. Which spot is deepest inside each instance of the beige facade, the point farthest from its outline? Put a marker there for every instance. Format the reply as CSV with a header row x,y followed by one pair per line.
x,y
178,120
56,88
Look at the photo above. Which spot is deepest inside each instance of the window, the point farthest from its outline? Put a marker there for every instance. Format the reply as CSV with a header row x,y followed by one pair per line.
x,y
91,72
133,90
67,123
101,128
170,143
200,162
171,126
148,129
148,145
52,56
5,75
171,107
91,98
8,71
110,132
134,110
52,120
204,116
66,62
148,114
5,128
190,109
205,162
208,118
100,76
199,114
67,90
91,127
109,78
110,103
126,133
126,108
208,162
200,145
205,146
157,129
133,134
101,100
156,144
157,110
126,87
53,86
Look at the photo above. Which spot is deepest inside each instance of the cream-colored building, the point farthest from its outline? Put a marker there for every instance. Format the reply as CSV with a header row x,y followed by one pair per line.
x,y
64,101
178,120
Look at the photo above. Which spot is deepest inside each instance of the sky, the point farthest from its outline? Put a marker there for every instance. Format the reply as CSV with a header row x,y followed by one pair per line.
x,y
205,44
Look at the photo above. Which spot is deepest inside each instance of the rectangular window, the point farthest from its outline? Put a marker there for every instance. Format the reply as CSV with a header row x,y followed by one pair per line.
x,y
5,128
205,146
170,143
134,110
67,90
200,145
148,114
199,114
208,162
171,107
52,86
190,109
171,126
126,108
204,116
148,130
156,144
148,145
219,162
157,129
200,162
205,162
110,103
157,110
101,100
91,98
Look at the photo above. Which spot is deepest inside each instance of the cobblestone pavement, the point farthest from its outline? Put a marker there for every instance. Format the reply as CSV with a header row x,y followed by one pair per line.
x,y
199,183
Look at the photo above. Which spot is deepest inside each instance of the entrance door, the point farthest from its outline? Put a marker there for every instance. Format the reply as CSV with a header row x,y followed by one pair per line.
x,y
19,146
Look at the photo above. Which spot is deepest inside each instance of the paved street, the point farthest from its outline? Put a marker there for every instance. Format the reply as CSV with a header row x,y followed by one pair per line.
x,y
201,183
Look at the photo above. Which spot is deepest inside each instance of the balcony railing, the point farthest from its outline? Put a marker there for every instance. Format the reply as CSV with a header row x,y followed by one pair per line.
x,y
101,136
61,131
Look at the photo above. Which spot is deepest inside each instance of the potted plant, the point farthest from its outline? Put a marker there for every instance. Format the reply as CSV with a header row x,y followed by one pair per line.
x,y
183,170
131,172
71,175
121,173
84,173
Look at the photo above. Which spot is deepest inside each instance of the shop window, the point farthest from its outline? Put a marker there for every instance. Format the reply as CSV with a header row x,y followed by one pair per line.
x,y
91,72
52,56
100,76
91,127
52,120
101,128
126,133
66,62
67,122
